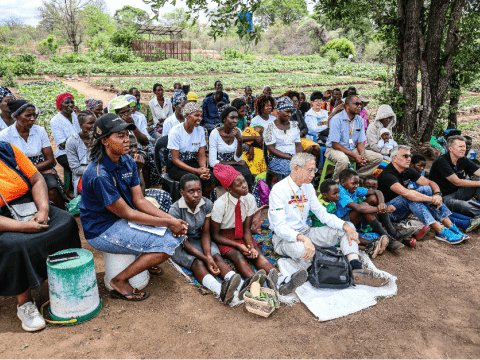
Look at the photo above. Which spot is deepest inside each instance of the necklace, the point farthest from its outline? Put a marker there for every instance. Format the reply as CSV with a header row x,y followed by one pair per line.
x,y
295,197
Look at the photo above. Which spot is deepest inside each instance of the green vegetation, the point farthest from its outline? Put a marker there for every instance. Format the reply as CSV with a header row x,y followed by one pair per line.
x,y
343,46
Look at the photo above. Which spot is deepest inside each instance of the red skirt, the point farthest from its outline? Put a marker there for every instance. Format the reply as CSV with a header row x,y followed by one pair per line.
x,y
230,234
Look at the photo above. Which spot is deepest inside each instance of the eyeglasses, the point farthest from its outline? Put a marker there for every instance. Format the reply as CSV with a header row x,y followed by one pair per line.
x,y
358,103
312,170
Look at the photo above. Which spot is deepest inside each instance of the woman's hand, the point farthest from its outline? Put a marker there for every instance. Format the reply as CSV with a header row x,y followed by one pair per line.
x,y
204,173
238,134
212,266
33,226
41,217
178,227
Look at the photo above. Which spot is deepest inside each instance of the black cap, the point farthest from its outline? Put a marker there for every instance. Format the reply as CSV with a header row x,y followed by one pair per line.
x,y
108,124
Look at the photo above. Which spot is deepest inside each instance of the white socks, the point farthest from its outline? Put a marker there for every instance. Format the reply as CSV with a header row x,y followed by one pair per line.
x,y
352,256
212,284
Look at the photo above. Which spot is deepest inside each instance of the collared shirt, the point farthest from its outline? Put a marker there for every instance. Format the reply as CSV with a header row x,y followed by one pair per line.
x,y
313,118
285,215
224,209
340,128
443,167
62,129
114,181
346,198
169,124
3,124
210,111
36,141
159,112
218,146
78,157
195,219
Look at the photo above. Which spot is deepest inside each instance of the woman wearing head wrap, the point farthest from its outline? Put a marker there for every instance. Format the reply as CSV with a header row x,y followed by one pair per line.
x,y
112,197
186,142
178,102
64,125
192,97
225,145
33,141
6,118
96,106
282,137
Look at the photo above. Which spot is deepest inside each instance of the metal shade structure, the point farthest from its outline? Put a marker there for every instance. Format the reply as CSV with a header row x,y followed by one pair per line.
x,y
159,30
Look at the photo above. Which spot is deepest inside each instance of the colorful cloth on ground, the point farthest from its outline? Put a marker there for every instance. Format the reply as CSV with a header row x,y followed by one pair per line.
x,y
380,168
329,205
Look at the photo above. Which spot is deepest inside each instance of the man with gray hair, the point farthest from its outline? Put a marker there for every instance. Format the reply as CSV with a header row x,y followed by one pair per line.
x,y
424,202
289,204
451,171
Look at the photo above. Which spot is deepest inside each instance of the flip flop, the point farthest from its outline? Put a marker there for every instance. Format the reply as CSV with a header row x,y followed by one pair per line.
x,y
155,272
116,294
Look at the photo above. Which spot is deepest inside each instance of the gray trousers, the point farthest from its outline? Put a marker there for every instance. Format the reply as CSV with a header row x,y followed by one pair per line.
x,y
320,236
458,201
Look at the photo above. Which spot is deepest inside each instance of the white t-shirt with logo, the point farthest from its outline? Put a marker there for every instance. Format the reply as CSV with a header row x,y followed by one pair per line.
x,y
179,139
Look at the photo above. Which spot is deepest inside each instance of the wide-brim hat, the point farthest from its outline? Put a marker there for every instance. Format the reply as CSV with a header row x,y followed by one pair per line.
x,y
109,124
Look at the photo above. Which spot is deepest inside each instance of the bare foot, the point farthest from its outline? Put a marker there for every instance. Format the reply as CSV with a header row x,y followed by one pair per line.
x,y
124,287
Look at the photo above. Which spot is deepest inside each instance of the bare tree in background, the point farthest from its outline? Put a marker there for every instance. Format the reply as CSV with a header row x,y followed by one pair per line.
x,y
66,16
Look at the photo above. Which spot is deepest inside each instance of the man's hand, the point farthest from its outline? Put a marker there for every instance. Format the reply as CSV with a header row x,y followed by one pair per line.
x,y
352,234
327,94
437,200
244,250
212,266
309,247
360,160
391,208
253,252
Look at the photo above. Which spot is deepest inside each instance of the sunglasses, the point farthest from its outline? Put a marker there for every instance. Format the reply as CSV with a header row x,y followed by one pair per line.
x,y
407,156
358,103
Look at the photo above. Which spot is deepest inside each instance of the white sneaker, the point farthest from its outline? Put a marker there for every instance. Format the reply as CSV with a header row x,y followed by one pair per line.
x,y
30,316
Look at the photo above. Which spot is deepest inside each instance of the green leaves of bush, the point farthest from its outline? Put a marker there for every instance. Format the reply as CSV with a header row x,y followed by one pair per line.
x,y
343,46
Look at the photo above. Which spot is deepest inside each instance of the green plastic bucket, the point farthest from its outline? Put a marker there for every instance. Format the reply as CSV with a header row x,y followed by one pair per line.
x,y
73,288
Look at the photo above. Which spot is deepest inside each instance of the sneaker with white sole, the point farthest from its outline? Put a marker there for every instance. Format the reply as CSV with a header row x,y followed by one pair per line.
x,y
474,223
296,280
367,277
457,231
30,317
449,236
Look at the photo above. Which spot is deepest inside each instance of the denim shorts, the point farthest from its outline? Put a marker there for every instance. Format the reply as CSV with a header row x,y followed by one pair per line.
x,y
184,259
120,238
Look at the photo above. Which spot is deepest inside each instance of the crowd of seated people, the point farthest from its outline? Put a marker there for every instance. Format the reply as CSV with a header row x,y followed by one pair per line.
x,y
107,155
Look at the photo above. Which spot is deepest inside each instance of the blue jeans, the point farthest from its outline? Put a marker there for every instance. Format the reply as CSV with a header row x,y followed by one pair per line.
x,y
426,213
120,238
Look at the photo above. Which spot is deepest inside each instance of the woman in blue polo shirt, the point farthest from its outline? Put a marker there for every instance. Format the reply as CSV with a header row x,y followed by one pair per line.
x,y
112,199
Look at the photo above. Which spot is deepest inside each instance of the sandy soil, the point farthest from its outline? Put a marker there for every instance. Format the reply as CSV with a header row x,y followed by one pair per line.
x,y
434,315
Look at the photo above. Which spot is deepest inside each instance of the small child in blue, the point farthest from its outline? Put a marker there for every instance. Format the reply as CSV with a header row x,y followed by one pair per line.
x,y
366,212
418,163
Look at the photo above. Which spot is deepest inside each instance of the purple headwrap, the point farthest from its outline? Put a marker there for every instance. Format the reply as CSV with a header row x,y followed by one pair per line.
x,y
91,103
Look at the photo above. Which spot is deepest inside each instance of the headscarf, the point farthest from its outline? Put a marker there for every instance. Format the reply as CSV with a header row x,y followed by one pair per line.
x,y
178,97
16,107
62,97
191,96
226,174
285,103
225,111
5,92
257,124
191,107
92,103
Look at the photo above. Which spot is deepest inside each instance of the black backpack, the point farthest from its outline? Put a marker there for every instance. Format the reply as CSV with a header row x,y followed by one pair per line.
x,y
330,269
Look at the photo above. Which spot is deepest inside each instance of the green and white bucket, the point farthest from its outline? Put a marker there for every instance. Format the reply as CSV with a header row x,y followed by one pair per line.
x,y
73,288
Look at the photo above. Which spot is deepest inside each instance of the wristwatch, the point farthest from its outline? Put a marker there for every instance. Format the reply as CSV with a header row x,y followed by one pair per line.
x,y
438,193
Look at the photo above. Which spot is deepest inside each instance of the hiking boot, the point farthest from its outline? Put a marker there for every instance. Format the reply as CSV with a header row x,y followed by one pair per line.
x,y
367,277
272,279
449,236
296,280
260,274
403,234
30,317
421,234
228,288
377,247
394,245
474,223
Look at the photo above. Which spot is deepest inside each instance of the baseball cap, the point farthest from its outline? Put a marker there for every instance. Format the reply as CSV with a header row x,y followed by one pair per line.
x,y
108,124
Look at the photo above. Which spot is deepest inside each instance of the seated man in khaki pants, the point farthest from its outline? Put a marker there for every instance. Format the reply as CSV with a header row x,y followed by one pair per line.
x,y
346,141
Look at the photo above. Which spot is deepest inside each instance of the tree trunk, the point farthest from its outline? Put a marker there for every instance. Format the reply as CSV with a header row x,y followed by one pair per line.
x,y
454,100
413,9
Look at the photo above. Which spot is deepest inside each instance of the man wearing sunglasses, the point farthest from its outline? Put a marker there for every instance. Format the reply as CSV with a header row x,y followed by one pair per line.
x,y
425,202
346,141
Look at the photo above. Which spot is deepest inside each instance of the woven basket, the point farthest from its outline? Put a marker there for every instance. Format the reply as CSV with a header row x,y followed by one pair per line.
x,y
259,307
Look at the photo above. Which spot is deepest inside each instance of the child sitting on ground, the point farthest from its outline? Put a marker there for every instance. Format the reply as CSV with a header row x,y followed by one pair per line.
x,y
370,182
349,209
418,163
329,193
230,227
198,253
386,143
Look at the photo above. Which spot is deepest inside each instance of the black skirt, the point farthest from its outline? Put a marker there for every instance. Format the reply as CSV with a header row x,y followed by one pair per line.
x,y
176,173
23,256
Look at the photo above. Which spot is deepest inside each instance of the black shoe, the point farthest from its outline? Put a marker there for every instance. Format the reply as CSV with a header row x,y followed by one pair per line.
x,y
260,274
228,288
296,280
272,279
394,245
403,234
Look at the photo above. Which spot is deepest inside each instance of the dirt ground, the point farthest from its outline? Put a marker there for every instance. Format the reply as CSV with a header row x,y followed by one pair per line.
x,y
434,315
